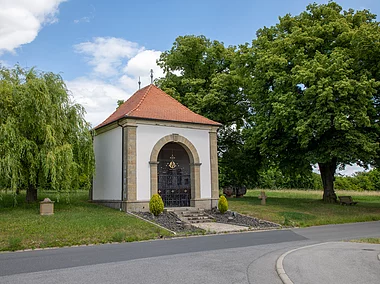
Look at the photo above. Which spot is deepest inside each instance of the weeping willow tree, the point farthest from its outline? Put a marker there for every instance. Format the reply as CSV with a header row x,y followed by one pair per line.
x,y
44,140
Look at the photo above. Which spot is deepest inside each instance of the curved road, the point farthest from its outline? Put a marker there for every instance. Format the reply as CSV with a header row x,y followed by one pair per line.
x,y
232,258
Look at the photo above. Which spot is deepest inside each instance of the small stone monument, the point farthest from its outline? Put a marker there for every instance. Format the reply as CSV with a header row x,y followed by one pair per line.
x,y
46,207
263,198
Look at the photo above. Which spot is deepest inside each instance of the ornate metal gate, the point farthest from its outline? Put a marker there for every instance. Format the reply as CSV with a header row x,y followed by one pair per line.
x,y
174,184
174,188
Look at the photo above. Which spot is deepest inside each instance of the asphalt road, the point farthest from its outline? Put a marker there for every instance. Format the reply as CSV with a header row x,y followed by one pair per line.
x,y
234,258
357,261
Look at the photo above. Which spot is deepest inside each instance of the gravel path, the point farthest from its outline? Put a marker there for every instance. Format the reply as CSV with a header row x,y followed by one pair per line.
x,y
170,221
235,218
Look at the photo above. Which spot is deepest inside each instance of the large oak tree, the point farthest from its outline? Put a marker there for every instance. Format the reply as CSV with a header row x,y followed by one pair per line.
x,y
314,90
44,140
200,73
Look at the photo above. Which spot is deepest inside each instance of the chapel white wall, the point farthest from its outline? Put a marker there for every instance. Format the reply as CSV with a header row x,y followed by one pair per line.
x,y
148,135
108,165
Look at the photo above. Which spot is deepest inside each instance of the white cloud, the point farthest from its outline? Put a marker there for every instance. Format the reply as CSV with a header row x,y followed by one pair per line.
x,y
137,66
88,18
4,64
349,170
106,54
97,97
129,83
82,20
117,65
21,20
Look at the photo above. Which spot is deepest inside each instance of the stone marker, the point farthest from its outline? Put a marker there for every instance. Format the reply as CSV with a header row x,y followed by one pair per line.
x,y
46,207
263,198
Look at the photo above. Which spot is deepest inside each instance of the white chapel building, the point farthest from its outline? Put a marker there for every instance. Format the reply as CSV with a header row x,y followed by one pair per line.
x,y
153,144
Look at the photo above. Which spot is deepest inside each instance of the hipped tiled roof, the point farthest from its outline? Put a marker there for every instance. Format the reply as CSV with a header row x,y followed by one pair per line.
x,y
151,102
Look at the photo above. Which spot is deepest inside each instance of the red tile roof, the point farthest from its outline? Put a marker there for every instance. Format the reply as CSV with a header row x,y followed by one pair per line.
x,y
152,103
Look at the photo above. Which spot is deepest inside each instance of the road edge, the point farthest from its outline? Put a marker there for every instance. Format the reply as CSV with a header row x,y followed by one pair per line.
x,y
279,263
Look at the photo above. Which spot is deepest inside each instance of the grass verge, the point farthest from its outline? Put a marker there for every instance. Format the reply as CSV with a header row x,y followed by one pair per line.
x,y
305,208
75,223
367,240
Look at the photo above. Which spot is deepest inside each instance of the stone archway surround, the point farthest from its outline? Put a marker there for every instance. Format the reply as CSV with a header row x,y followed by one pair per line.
x,y
194,164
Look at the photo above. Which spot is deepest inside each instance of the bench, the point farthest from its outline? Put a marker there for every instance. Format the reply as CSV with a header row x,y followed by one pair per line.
x,y
238,190
346,200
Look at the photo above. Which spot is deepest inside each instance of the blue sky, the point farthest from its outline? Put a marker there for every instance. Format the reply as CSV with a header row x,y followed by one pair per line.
x,y
153,25
101,47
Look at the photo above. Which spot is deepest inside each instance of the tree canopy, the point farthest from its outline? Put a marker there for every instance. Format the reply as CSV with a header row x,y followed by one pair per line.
x,y
200,73
44,140
314,90
305,92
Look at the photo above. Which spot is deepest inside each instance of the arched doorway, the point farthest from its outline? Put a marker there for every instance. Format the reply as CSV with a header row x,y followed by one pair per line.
x,y
195,164
174,175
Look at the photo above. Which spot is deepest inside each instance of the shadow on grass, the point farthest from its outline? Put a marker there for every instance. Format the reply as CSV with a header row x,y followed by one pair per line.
x,y
293,202
63,200
279,201
302,210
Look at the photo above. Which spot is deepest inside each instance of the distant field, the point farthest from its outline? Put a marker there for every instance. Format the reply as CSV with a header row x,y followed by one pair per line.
x,y
305,208
74,223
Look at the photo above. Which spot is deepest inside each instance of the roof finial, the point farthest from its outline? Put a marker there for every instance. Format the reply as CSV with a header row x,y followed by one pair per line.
x,y
151,76
139,83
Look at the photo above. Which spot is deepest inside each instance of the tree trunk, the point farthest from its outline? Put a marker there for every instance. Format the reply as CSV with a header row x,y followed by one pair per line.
x,y
31,193
327,174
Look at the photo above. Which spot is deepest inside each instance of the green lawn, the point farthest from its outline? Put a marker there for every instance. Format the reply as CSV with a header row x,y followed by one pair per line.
x,y
305,208
80,222
74,223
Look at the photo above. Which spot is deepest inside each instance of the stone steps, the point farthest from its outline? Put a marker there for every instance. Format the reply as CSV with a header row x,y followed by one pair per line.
x,y
200,221
193,216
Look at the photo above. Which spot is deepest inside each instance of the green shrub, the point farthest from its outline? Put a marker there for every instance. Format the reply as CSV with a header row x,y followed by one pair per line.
x,y
222,204
156,205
